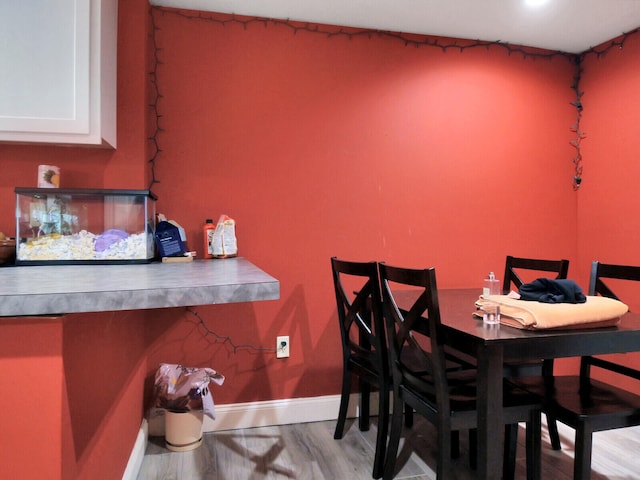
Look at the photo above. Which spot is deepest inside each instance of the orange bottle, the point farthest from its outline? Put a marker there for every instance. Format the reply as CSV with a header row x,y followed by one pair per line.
x,y
208,229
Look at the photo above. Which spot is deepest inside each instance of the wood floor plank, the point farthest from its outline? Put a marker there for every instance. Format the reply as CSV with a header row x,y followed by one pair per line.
x,y
308,451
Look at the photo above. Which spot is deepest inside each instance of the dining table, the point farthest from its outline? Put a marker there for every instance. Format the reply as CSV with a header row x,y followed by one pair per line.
x,y
492,346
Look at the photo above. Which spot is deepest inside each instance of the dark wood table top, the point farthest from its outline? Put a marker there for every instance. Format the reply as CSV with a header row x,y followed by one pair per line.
x,y
466,331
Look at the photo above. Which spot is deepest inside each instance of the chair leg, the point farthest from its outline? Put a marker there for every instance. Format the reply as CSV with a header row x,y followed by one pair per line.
x,y
444,451
554,436
408,416
344,404
394,439
473,448
510,448
383,429
455,444
583,449
534,446
365,397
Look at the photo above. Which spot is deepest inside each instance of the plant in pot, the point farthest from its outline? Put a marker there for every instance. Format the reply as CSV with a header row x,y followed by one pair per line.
x,y
183,395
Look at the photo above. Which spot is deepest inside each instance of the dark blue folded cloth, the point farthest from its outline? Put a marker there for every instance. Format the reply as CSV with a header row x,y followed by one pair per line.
x,y
546,290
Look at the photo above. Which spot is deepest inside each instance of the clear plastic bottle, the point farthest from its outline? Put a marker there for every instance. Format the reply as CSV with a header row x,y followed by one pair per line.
x,y
207,230
491,285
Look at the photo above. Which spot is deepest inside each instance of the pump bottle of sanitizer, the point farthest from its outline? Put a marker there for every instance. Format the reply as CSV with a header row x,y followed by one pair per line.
x,y
491,286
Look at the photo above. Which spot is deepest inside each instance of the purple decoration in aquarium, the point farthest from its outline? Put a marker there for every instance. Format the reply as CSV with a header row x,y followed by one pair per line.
x,y
108,238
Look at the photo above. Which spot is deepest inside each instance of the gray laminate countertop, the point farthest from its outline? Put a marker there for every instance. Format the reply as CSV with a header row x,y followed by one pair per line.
x,y
57,289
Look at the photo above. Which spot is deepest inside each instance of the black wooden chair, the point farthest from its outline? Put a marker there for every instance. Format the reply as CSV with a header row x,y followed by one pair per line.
x,y
364,347
580,401
514,267
421,380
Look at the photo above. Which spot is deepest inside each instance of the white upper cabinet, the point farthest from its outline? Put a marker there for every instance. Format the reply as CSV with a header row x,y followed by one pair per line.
x,y
58,71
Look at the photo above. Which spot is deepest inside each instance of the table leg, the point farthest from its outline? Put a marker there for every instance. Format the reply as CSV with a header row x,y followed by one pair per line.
x,y
490,417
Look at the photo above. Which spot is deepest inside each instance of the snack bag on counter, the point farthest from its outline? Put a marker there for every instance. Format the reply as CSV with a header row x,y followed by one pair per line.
x,y
168,240
224,238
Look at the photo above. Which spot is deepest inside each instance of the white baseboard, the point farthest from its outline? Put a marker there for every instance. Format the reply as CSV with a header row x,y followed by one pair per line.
x,y
137,454
250,415
281,412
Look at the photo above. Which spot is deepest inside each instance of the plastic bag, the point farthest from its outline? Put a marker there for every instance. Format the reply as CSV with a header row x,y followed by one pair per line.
x,y
225,244
182,389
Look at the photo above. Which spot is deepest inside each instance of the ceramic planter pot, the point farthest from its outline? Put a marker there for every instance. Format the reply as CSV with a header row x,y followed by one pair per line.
x,y
183,430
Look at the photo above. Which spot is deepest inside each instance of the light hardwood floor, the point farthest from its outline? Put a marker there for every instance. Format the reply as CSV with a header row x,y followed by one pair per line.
x,y
308,451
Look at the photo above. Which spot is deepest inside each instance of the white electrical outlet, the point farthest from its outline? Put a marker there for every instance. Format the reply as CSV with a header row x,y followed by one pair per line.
x,y
282,347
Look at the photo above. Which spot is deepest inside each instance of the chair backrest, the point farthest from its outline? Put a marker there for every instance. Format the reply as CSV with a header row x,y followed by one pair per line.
x,y
605,270
598,287
416,343
357,290
513,264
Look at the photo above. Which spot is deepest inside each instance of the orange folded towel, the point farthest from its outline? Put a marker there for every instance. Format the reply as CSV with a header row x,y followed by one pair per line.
x,y
595,312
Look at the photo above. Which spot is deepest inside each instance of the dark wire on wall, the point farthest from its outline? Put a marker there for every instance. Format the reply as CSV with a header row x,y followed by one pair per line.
x,y
225,339
154,105
577,103
580,135
408,40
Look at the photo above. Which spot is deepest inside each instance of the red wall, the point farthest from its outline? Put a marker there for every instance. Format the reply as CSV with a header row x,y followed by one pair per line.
x,y
608,221
322,145
32,401
608,224
358,147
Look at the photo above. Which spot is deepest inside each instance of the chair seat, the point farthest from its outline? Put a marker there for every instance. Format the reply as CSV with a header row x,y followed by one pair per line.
x,y
365,367
463,391
602,401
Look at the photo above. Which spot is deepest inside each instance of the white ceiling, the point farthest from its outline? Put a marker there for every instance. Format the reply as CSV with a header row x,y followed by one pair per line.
x,y
566,25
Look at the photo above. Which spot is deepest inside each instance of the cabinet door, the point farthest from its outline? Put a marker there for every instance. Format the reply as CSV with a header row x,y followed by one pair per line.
x,y
53,87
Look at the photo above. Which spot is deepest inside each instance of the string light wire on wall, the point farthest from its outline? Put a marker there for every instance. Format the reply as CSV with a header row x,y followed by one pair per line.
x,y
225,339
442,44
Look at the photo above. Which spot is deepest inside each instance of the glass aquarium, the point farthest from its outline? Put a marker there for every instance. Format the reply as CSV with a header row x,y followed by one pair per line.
x,y
69,226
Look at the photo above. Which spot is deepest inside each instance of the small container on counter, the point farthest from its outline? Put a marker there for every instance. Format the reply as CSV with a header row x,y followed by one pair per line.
x,y
207,232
